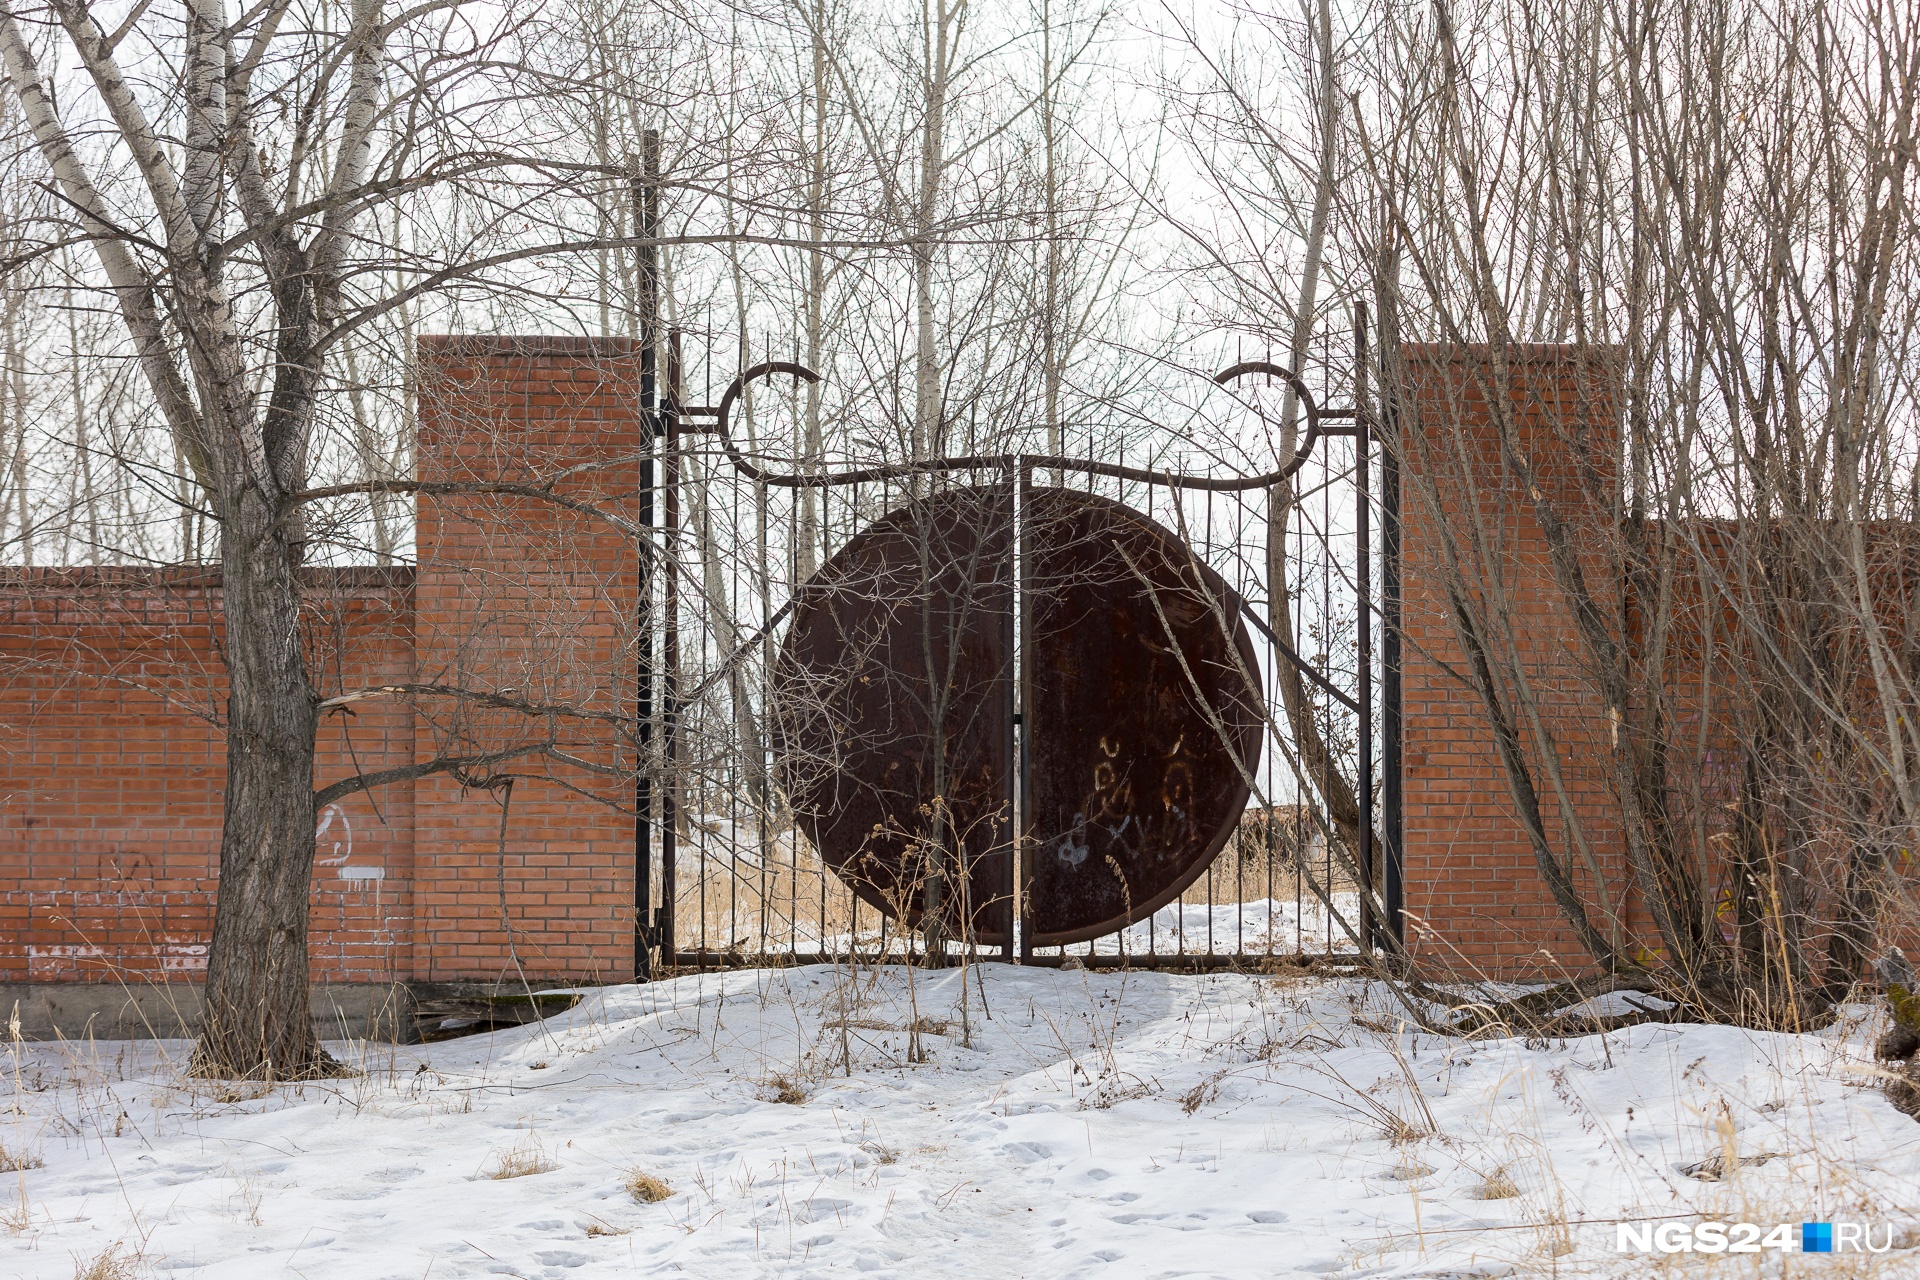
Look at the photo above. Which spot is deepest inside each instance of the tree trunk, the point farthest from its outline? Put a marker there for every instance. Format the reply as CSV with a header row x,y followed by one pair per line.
x,y
929,429
258,1022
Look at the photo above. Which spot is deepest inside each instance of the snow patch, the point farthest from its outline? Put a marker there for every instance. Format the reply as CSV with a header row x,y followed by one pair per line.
x,y
1056,1124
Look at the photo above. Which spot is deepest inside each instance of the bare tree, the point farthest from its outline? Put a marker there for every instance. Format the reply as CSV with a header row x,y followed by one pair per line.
x,y
1724,198
1261,111
268,189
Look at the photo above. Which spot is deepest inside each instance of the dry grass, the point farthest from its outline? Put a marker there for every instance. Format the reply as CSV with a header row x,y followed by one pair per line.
x,y
729,915
116,1263
1719,1166
781,1088
644,1188
857,1024
1255,866
1408,1169
1201,1094
243,1206
923,1025
523,1159
16,1159
1498,1185
596,1230
1400,1131
17,1214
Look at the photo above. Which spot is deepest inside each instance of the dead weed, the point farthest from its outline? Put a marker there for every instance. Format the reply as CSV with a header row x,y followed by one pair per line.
x,y
644,1188
522,1159
784,1089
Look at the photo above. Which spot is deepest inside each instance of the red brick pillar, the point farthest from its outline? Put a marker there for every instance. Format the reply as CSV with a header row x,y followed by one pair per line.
x,y
1475,895
528,601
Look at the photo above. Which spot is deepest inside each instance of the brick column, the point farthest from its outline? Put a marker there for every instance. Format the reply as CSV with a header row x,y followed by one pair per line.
x,y
521,598
1474,889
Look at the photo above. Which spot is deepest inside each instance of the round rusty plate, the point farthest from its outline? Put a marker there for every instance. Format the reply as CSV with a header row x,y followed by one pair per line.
x,y
894,693
895,686
1143,714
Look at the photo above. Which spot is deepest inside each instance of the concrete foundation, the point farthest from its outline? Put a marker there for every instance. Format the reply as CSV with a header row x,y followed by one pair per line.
x,y
156,1011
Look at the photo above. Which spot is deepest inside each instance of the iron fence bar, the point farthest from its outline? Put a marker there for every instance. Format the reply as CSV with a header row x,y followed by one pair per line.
x,y
1015,707
1023,807
1363,576
1213,897
1193,961
1000,461
646,916
670,647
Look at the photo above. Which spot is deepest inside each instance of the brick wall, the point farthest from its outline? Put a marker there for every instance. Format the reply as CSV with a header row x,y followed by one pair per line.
x,y
112,772
112,767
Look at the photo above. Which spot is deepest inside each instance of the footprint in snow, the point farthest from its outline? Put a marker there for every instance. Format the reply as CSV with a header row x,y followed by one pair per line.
x,y
351,1193
394,1173
175,1177
814,1210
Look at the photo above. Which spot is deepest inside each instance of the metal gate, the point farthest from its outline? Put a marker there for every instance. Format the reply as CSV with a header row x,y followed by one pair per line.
x,y
874,695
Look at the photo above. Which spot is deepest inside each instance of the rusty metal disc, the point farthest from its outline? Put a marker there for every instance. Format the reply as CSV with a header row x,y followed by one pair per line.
x,y
1143,715
893,699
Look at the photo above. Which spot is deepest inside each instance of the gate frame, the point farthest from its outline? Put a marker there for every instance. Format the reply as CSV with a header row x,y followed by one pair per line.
x,y
666,418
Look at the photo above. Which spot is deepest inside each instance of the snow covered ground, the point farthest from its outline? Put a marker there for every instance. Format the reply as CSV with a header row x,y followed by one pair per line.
x,y
1273,926
1100,1124
1263,926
